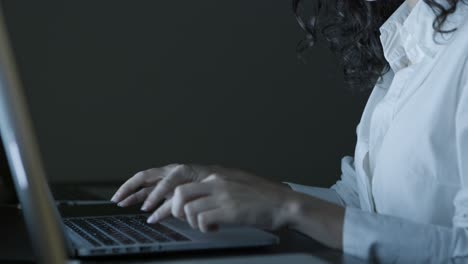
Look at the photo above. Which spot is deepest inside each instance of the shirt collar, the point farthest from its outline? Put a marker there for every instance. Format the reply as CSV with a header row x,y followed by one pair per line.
x,y
408,36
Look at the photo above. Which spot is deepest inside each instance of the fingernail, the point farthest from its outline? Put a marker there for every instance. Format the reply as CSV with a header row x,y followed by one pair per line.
x,y
151,220
145,206
114,198
120,205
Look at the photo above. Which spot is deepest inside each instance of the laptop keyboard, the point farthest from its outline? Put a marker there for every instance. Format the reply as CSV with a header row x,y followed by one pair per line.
x,y
122,230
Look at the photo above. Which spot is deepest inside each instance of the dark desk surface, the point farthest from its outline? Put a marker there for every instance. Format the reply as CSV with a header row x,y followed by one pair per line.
x,y
16,245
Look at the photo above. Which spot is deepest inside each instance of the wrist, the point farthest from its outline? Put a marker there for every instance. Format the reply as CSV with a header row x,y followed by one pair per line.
x,y
290,209
317,218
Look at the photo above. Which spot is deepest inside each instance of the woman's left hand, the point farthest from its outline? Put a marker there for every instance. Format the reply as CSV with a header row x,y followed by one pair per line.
x,y
220,199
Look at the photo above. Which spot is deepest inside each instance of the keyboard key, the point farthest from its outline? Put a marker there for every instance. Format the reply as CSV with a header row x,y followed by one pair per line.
x,y
114,233
122,227
95,233
81,233
170,233
124,230
147,230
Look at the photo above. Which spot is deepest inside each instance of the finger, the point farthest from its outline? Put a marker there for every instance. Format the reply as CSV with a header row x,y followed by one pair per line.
x,y
135,198
215,177
141,179
162,212
194,208
209,220
187,192
211,177
175,177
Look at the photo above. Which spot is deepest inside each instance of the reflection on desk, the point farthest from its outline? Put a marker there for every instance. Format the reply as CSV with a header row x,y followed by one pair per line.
x,y
256,259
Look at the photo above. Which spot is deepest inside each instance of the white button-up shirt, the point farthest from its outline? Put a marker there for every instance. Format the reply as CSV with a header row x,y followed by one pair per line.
x,y
406,190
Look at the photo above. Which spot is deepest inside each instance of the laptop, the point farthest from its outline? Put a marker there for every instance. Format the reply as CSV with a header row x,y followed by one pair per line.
x,y
55,238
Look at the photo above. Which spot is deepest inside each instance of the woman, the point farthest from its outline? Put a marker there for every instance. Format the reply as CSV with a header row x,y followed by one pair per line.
x,y
404,196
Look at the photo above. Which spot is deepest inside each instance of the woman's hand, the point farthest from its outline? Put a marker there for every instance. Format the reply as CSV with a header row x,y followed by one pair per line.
x,y
218,200
207,196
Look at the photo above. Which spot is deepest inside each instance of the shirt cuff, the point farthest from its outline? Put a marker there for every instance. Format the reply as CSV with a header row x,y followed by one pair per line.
x,y
326,194
383,238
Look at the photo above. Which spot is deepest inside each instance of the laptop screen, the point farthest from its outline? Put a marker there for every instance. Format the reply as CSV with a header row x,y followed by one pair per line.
x,y
40,214
7,190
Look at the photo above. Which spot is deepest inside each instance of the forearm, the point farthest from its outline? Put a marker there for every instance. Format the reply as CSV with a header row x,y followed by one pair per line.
x,y
319,219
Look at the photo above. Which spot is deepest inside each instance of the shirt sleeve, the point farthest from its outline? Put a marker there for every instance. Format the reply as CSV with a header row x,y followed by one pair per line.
x,y
343,193
392,239
346,187
326,194
389,239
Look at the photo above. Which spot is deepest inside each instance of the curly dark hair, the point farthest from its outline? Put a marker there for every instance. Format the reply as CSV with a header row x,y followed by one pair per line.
x,y
351,30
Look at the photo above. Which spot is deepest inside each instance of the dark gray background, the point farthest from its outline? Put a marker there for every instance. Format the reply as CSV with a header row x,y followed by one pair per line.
x,y
119,86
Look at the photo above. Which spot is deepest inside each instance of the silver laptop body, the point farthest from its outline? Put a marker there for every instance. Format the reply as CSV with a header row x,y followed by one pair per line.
x,y
56,239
